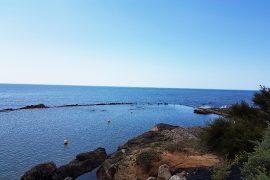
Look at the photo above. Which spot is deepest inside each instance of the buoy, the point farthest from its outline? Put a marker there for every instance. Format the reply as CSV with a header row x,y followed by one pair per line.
x,y
65,141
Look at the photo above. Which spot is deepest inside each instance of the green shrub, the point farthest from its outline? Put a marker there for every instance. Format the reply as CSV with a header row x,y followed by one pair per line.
x,y
258,164
237,132
146,159
262,99
244,111
221,171
155,144
241,158
228,136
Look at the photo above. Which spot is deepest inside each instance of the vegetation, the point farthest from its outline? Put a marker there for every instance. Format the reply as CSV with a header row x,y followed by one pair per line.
x,y
245,124
155,144
221,171
146,159
241,158
258,163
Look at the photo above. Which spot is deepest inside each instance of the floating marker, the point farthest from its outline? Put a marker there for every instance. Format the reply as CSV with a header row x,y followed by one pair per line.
x,y
65,142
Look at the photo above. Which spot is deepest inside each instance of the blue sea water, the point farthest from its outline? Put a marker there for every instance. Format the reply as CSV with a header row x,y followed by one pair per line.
x,y
29,137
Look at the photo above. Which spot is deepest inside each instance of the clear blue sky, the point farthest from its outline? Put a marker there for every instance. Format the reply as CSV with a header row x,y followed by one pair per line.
x,y
176,43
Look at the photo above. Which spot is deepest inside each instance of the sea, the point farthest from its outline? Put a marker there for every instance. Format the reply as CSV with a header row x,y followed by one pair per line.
x,y
30,137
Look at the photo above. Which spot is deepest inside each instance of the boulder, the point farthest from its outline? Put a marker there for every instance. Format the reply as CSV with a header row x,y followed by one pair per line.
x,y
151,178
175,177
109,167
68,178
182,174
164,172
84,162
43,171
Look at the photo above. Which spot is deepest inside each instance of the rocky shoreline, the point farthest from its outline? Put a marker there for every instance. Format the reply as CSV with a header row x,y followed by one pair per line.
x,y
164,152
83,163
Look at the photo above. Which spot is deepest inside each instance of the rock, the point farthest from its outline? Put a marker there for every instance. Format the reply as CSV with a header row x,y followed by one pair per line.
x,y
68,178
151,178
109,167
164,172
38,106
161,134
92,155
6,110
123,151
175,177
195,172
84,162
182,174
217,111
162,126
43,171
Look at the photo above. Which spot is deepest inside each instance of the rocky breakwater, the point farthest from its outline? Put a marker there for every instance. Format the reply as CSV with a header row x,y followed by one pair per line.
x,y
42,106
164,152
217,111
83,163
37,106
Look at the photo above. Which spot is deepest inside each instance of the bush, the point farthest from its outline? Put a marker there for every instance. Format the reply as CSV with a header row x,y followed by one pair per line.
x,y
244,111
262,99
230,136
146,159
235,133
155,144
241,158
221,171
258,164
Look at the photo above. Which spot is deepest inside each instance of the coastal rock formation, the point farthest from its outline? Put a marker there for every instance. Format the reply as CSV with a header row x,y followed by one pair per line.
x,y
217,111
172,146
84,162
44,171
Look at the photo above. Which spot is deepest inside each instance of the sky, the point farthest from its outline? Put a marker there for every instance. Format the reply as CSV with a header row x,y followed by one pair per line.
x,y
206,44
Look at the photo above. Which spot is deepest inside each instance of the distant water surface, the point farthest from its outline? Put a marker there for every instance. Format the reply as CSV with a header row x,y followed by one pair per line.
x,y
29,137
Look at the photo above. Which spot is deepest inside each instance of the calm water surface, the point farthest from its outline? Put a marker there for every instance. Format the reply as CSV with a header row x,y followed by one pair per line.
x,y
29,137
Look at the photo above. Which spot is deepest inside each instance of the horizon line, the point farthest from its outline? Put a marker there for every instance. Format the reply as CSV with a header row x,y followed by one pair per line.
x,y
112,86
